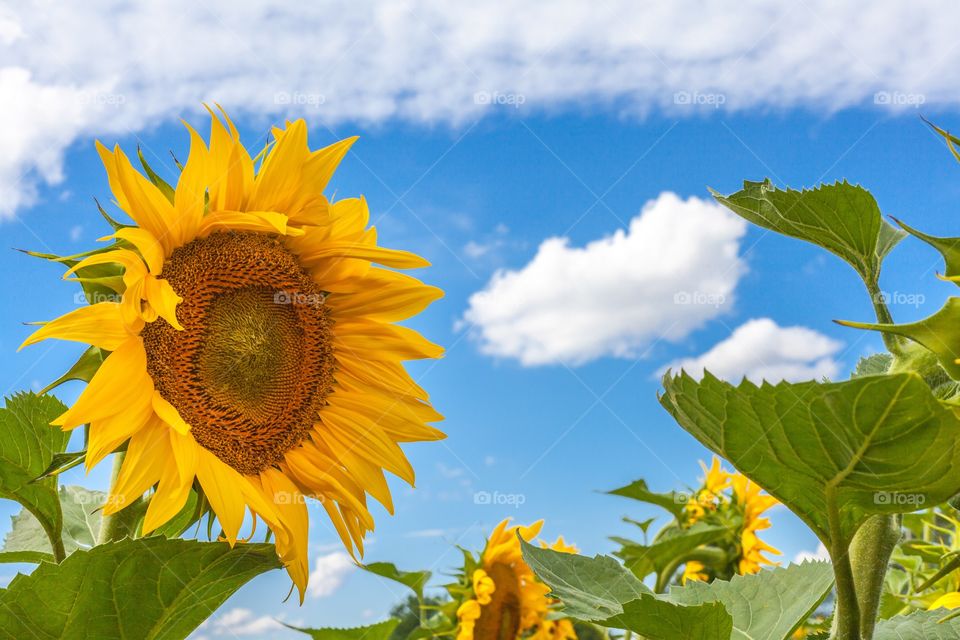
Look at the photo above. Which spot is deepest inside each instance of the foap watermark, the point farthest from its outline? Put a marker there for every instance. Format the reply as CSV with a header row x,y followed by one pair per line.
x,y
496,98
699,99
899,99
95,297
889,498
298,298
102,99
704,499
899,298
300,99
497,498
704,298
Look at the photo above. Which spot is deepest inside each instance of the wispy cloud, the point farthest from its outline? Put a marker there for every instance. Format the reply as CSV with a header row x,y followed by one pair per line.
x,y
108,68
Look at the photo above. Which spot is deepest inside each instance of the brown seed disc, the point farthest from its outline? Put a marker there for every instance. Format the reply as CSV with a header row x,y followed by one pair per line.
x,y
254,363
500,618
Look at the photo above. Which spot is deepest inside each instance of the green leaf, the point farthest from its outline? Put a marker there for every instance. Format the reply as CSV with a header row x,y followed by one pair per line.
x,y
771,604
63,462
151,588
378,631
940,333
668,550
157,181
601,590
842,218
874,365
82,516
27,446
949,248
29,557
83,369
921,625
833,453
415,580
673,501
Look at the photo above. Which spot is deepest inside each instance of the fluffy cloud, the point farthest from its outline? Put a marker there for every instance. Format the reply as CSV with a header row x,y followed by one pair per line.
x,y
241,622
329,573
760,349
820,554
108,68
674,268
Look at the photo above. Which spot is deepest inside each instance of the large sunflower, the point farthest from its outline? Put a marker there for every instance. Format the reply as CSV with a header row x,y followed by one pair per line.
x,y
504,599
252,349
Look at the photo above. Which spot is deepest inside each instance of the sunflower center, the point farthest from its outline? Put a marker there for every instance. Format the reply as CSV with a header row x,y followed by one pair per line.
x,y
500,618
254,362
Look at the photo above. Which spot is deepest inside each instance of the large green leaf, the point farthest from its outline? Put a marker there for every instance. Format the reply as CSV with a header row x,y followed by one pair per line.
x,y
770,604
149,589
922,625
940,333
669,549
28,445
841,217
378,631
833,453
602,591
415,580
672,501
81,523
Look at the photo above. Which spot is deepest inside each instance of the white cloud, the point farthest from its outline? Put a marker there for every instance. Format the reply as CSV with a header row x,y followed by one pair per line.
x,y
241,622
820,554
108,68
674,268
329,573
760,349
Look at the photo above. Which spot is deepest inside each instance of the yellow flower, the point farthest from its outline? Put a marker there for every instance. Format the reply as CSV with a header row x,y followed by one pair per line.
x,y
253,348
514,602
715,479
483,586
693,570
749,498
946,601
467,613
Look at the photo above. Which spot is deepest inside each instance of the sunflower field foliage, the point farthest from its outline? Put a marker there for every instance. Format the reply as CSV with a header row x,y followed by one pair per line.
x,y
242,359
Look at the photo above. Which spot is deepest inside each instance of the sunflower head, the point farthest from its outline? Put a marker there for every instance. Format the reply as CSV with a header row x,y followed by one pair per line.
x,y
730,500
503,599
249,351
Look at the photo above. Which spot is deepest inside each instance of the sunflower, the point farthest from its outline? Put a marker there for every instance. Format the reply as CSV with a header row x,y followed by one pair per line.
x,y
504,599
251,350
731,494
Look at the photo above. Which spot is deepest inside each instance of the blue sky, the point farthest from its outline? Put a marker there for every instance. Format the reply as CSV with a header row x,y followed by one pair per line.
x,y
554,434
552,161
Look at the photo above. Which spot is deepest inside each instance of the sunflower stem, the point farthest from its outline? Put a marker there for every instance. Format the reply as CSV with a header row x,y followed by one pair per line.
x,y
111,527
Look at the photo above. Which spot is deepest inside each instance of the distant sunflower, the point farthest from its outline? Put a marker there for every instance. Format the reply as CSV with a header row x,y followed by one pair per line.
x,y
505,600
726,497
252,347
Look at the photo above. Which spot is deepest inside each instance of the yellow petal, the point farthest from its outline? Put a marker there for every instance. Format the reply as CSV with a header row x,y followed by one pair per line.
x,y
388,296
119,383
276,184
190,197
100,325
321,165
370,339
293,535
146,244
143,464
222,487
163,299
260,221
387,257
170,497
104,436
169,414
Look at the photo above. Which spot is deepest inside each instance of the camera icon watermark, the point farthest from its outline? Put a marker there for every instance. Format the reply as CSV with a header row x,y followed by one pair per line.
x,y
496,98
497,498
899,99
890,498
699,99
300,99
898,298
700,298
299,299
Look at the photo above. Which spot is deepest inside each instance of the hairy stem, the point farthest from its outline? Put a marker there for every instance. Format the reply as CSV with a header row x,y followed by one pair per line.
x,y
117,526
870,553
890,341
